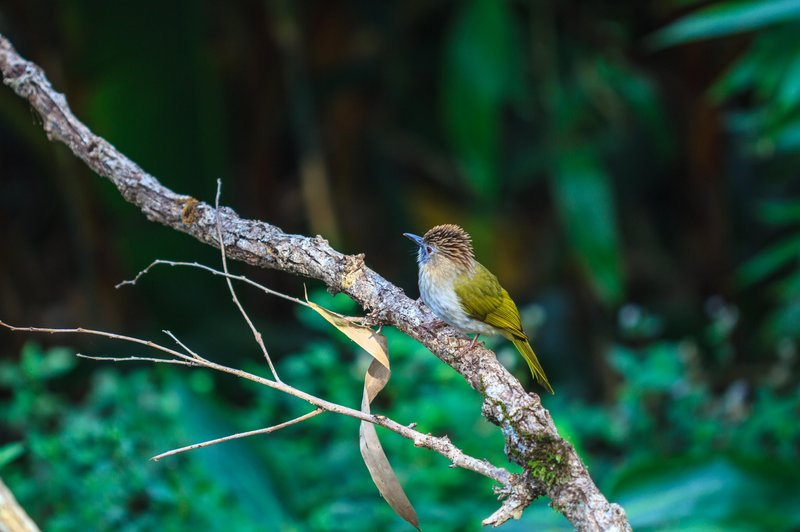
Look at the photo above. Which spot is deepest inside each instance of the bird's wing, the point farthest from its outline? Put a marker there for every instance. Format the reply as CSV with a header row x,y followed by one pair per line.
x,y
483,299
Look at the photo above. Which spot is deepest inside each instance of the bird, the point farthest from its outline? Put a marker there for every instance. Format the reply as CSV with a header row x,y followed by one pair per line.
x,y
465,294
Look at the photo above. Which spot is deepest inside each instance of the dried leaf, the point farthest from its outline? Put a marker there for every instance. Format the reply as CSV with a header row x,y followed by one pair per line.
x,y
369,340
375,379
371,451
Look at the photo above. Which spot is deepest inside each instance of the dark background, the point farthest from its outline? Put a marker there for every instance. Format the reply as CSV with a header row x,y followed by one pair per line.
x,y
629,170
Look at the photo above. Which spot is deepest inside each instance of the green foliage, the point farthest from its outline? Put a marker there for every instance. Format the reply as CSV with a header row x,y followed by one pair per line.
x,y
769,72
481,69
582,193
676,455
709,493
105,437
726,18
778,268
80,460
666,435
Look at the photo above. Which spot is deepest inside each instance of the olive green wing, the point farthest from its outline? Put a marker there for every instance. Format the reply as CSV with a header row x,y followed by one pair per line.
x,y
483,299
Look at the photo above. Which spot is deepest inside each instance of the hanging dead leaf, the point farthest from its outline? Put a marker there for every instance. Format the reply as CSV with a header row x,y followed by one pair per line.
x,y
370,341
375,379
371,451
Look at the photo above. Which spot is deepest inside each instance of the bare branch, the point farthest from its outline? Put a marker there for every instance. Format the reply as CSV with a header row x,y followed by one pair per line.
x,y
441,445
266,430
81,330
529,432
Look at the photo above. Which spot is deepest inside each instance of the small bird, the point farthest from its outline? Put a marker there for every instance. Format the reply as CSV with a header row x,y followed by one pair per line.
x,y
463,293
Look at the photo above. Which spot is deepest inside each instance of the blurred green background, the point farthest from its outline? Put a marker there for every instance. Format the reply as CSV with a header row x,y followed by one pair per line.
x,y
628,169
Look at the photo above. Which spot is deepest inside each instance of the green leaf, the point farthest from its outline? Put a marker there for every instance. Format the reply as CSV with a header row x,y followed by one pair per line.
x,y
724,19
480,63
657,368
779,212
40,364
788,90
738,78
770,260
585,203
10,452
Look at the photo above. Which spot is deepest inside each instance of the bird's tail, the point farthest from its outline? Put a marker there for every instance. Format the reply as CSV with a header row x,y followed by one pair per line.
x,y
525,349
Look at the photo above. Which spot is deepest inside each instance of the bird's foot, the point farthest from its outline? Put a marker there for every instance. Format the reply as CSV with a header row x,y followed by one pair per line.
x,y
474,341
472,344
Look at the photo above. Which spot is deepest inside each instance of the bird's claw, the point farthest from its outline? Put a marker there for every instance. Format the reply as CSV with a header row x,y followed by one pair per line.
x,y
472,345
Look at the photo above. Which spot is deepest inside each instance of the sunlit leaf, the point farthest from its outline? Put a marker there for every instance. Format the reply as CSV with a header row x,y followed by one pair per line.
x,y
726,18
585,202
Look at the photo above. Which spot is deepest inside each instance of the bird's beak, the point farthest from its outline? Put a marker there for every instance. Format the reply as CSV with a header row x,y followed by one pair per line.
x,y
416,239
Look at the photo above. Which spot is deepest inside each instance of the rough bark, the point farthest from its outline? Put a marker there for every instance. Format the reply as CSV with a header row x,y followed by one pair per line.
x,y
551,466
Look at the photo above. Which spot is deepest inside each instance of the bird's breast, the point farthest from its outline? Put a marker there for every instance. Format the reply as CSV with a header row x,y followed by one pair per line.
x,y
438,293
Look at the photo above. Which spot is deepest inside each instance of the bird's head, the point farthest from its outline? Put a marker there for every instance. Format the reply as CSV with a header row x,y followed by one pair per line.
x,y
448,242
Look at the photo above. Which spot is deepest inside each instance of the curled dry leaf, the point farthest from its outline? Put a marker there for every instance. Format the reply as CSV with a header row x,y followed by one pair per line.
x,y
369,340
375,379
371,451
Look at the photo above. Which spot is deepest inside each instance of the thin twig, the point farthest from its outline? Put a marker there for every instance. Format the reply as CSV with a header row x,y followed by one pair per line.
x,y
138,359
191,353
361,320
113,336
209,269
266,430
256,334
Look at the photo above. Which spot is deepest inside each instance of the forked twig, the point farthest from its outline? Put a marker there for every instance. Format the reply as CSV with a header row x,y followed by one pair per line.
x,y
191,353
209,269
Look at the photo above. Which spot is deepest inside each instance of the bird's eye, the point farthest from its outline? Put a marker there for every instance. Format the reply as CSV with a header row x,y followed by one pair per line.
x,y
428,250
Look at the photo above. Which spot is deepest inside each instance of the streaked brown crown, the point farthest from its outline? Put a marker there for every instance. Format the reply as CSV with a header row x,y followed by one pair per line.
x,y
453,242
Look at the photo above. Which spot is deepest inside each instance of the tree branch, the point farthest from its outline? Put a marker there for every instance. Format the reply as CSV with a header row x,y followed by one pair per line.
x,y
440,444
551,465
